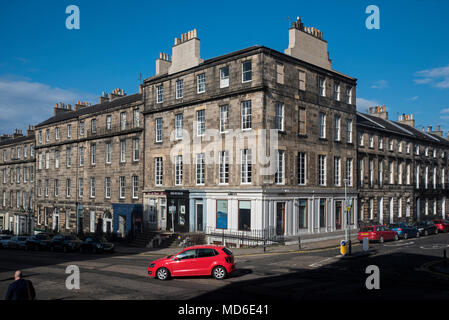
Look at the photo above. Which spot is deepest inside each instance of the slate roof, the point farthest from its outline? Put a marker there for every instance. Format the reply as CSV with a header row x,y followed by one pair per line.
x,y
395,127
63,116
17,140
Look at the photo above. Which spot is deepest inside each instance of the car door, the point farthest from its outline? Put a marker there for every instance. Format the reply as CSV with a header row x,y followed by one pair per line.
x,y
389,233
205,260
183,264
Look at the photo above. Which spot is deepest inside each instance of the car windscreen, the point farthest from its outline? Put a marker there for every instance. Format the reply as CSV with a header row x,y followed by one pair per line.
x,y
366,229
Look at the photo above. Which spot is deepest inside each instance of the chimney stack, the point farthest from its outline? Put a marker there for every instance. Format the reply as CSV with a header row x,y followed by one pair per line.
x,y
162,64
17,133
5,137
30,130
115,94
185,53
307,44
62,107
81,104
407,119
437,131
379,111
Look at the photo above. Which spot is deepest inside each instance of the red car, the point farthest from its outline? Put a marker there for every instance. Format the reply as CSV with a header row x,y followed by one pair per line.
x,y
442,225
217,261
377,233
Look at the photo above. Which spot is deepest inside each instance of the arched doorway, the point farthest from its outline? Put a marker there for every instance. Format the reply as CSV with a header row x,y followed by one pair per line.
x,y
107,222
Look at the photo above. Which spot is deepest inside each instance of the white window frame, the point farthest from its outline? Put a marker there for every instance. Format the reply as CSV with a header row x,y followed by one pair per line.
x,y
178,170
179,88
247,72
201,83
224,80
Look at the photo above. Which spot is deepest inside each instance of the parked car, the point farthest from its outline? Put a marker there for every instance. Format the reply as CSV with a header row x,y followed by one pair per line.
x,y
96,245
216,261
65,242
377,233
404,230
16,242
4,239
442,225
426,227
37,242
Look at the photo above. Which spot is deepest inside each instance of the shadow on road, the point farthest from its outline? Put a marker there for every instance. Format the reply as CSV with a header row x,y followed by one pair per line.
x,y
400,279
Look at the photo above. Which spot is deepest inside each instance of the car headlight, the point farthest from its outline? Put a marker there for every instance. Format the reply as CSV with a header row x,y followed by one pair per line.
x,y
152,265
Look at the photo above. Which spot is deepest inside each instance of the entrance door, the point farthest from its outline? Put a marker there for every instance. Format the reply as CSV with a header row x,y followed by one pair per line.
x,y
338,215
122,226
92,221
280,218
56,220
199,216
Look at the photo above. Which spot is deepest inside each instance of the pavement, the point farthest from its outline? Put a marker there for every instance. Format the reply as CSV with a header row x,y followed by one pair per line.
x,y
243,251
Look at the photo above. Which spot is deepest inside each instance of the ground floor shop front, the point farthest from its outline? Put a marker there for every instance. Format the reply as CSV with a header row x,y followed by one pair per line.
x,y
283,213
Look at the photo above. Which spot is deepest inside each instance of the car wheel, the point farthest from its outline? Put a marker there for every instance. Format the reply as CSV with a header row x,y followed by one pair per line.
x,y
436,231
381,239
396,237
95,250
417,234
163,274
405,235
65,249
219,273
52,249
426,233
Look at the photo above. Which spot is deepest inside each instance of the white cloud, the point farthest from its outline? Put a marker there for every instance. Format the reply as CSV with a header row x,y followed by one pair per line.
x,y
23,102
437,77
364,104
445,110
413,98
380,84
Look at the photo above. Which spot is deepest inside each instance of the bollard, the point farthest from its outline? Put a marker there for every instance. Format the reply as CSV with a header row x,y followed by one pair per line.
x,y
349,247
299,242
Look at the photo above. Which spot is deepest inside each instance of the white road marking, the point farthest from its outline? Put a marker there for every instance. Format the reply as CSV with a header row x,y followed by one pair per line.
x,y
435,246
320,263
399,244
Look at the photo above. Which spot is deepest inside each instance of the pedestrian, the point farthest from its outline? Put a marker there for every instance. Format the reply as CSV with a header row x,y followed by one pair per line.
x,y
20,289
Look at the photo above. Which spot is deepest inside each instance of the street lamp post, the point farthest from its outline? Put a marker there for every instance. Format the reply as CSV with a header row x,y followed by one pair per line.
x,y
347,207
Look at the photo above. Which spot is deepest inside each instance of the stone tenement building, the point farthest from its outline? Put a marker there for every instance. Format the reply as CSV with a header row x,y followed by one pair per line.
x,y
403,172
89,165
197,179
254,140
16,185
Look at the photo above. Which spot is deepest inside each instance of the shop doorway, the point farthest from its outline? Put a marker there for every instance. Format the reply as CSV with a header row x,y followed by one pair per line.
x,y
199,216
280,218
338,215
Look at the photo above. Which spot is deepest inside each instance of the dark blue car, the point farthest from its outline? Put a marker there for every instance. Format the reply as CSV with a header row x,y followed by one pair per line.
x,y
404,230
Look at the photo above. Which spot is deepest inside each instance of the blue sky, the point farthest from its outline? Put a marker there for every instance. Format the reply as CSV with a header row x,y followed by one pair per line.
x,y
404,65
